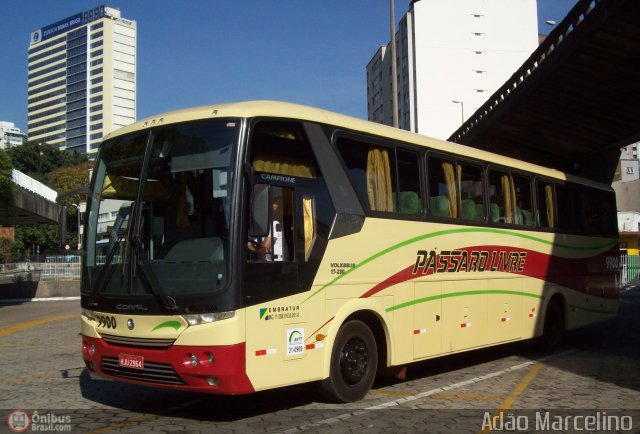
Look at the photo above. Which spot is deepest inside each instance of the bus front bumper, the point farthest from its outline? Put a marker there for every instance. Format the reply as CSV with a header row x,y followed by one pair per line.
x,y
211,369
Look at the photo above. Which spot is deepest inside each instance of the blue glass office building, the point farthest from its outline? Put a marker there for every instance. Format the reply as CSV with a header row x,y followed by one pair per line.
x,y
82,79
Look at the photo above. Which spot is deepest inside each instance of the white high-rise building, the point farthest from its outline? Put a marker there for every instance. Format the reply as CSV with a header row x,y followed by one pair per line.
x,y
82,79
630,152
451,56
10,135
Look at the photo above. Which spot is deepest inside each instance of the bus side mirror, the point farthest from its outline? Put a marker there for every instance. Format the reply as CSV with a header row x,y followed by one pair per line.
x,y
259,224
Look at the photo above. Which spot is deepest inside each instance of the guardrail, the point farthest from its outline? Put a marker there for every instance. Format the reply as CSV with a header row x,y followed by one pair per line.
x,y
39,271
629,269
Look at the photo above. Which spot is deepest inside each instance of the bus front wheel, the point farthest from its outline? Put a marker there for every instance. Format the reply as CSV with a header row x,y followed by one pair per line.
x,y
354,361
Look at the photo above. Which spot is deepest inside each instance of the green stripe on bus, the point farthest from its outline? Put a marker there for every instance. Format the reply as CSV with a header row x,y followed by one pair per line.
x,y
170,324
453,231
460,294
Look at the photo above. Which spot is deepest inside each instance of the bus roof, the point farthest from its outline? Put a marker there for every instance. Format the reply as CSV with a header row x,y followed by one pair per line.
x,y
277,109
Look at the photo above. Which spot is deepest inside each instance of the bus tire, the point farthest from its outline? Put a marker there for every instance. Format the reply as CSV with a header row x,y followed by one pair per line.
x,y
354,361
553,331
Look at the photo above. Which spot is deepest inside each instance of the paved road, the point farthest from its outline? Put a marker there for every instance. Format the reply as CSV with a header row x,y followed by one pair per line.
x,y
596,375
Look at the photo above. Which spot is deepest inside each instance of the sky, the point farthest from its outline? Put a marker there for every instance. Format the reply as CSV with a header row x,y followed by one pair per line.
x,y
197,52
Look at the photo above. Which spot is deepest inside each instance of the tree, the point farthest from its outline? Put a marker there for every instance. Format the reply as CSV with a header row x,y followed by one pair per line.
x,y
6,246
6,183
64,180
39,159
31,238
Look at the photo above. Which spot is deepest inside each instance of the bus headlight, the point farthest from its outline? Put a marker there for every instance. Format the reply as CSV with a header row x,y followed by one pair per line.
x,y
206,318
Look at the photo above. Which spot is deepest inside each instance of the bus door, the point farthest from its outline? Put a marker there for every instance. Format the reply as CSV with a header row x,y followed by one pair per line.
x,y
289,215
271,270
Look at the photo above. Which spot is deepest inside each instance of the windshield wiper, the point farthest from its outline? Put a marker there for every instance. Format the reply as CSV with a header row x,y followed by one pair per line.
x,y
152,282
169,303
105,274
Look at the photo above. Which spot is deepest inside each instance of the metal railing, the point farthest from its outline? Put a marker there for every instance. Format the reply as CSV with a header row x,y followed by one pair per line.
x,y
69,269
629,269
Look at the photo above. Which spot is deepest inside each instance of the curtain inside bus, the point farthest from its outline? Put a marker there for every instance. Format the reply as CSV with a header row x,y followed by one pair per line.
x,y
450,179
548,193
379,180
308,204
509,196
283,165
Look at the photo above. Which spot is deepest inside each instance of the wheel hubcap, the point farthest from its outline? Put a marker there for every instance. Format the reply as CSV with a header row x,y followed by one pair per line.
x,y
354,361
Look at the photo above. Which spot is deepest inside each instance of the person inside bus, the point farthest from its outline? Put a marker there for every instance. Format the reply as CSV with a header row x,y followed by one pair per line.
x,y
273,247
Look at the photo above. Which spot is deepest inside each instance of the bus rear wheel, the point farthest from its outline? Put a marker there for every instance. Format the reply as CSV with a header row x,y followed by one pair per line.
x,y
354,361
552,334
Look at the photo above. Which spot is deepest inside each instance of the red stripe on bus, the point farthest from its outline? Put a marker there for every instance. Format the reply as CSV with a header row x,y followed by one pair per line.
x,y
554,269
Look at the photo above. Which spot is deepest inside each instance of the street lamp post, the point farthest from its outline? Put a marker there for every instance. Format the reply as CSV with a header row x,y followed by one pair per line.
x,y
461,109
394,67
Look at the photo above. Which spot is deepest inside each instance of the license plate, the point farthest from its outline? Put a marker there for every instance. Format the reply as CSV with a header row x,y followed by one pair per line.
x,y
131,361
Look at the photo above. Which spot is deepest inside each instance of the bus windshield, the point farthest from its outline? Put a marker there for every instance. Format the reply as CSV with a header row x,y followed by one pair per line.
x,y
158,212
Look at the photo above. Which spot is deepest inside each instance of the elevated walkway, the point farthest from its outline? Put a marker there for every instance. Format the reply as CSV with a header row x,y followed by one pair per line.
x,y
34,203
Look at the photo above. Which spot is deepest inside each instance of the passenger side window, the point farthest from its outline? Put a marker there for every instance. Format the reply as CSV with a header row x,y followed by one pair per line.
x,y
471,192
524,208
595,212
409,197
564,208
455,189
510,198
443,194
383,186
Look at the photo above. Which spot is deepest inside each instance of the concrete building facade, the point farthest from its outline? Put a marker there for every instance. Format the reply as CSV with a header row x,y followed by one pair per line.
x,y
451,56
82,79
10,135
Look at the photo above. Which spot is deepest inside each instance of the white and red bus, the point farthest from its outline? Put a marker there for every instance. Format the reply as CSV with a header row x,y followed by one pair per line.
x,y
241,247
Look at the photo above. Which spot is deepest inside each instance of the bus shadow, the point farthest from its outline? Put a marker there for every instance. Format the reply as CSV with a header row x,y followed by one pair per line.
x,y
194,406
608,351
